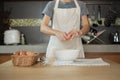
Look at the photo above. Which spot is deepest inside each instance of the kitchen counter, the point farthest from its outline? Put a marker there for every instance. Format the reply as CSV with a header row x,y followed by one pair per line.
x,y
41,48
42,72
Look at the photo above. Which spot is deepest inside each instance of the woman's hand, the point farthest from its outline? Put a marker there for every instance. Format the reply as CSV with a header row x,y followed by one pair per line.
x,y
74,33
61,35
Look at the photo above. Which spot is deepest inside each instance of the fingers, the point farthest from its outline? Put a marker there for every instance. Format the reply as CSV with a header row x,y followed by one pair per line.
x,y
63,36
74,33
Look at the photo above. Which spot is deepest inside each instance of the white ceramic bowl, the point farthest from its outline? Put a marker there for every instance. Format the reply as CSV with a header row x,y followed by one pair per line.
x,y
66,55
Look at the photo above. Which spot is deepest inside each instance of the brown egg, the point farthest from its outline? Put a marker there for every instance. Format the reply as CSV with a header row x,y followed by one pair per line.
x,y
17,53
30,53
23,53
69,37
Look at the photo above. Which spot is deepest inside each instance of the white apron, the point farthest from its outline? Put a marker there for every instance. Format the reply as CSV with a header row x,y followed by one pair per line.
x,y
65,20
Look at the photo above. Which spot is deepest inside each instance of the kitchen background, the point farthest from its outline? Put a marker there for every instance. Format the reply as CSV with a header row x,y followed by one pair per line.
x,y
25,16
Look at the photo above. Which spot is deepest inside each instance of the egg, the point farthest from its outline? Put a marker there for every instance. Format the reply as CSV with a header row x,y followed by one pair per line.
x,y
23,53
30,53
17,53
68,36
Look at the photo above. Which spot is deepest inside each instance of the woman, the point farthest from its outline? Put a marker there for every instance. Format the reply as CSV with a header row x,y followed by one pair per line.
x,y
66,16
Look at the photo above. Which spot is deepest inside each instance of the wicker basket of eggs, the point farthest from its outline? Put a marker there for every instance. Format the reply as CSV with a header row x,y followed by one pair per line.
x,y
24,58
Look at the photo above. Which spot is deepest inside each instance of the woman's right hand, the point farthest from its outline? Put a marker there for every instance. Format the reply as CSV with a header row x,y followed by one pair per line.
x,y
61,35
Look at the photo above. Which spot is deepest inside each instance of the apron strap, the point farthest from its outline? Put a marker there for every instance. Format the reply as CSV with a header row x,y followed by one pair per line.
x,y
76,3
56,4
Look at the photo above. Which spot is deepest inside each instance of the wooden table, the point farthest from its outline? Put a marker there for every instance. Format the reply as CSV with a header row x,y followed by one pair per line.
x,y
41,72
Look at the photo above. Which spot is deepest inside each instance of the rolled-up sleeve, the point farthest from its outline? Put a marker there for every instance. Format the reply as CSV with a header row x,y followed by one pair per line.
x,y
84,10
48,10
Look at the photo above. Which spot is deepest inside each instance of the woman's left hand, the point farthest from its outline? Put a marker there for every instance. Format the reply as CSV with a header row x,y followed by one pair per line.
x,y
74,33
